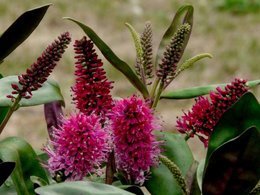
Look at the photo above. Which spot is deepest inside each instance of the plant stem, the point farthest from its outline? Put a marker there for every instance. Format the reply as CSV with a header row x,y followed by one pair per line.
x,y
158,94
155,84
110,168
10,112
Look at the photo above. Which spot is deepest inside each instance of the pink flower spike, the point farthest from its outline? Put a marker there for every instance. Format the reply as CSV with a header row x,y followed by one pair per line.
x,y
80,145
136,148
205,113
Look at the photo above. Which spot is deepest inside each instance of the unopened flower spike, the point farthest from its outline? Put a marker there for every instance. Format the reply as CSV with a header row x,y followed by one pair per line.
x,y
172,55
136,148
39,71
80,145
205,113
147,47
91,92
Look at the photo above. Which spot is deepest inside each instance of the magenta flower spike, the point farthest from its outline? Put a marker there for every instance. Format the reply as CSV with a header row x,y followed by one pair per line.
x,y
205,113
80,145
91,92
136,148
39,71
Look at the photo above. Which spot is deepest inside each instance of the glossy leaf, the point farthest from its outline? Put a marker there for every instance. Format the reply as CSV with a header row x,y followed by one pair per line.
x,y
199,91
244,114
6,169
233,168
49,92
17,150
119,64
81,187
176,149
20,30
183,15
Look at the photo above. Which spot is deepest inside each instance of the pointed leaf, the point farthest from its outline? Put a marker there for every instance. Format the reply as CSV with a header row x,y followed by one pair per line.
x,y
17,150
6,169
233,168
244,114
119,64
20,30
49,92
187,11
176,149
199,91
81,187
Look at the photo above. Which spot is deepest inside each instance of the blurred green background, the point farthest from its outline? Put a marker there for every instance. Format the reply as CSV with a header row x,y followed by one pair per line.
x,y
228,29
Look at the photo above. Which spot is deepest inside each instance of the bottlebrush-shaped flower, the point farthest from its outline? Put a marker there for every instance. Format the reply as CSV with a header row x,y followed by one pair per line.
x,y
80,145
205,113
91,90
173,54
136,148
37,74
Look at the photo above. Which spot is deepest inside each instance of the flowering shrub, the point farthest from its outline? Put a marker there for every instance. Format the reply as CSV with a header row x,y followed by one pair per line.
x,y
117,146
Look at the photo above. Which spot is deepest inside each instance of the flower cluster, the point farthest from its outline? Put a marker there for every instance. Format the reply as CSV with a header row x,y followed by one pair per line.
x,y
37,74
205,114
91,90
136,148
80,145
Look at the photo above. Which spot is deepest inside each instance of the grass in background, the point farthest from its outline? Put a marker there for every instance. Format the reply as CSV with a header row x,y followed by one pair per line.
x,y
232,38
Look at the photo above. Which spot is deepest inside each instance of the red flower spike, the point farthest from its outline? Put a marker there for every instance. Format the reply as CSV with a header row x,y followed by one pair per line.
x,y
91,92
205,114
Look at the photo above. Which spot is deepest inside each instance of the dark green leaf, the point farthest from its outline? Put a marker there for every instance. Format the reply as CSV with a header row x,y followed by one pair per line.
x,y
17,150
233,168
119,64
6,169
49,92
244,114
199,91
20,30
183,15
3,112
81,187
176,149
1,76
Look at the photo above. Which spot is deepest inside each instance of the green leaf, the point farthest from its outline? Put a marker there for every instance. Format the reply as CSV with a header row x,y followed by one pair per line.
x,y
183,15
17,150
119,64
233,168
136,39
3,112
188,63
176,149
244,114
199,91
81,187
20,30
6,169
49,92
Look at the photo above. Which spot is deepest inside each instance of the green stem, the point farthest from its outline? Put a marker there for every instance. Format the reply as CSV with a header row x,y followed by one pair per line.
x,y
176,172
158,94
10,112
155,84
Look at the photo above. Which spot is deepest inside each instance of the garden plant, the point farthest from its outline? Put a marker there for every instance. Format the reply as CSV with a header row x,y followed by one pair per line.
x,y
117,145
